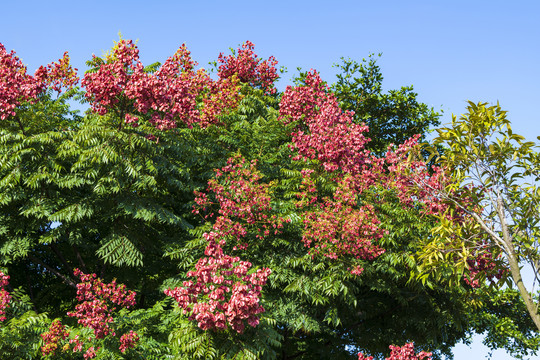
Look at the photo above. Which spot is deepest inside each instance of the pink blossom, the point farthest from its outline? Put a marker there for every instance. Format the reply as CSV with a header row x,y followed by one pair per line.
x,y
97,303
16,86
58,74
338,227
5,297
405,352
249,68
175,93
242,202
128,340
90,353
223,293
325,132
51,338
361,356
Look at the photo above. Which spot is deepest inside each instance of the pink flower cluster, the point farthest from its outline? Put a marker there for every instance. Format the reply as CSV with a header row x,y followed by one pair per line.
x,y
405,352
249,68
95,312
223,293
482,263
51,338
90,353
221,96
301,103
325,132
334,227
339,227
58,74
16,86
243,202
5,297
56,335
169,95
128,340
413,180
96,298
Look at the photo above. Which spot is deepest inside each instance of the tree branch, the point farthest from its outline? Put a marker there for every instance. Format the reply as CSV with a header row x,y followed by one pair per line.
x,y
79,257
52,270
62,259
20,125
478,219
514,267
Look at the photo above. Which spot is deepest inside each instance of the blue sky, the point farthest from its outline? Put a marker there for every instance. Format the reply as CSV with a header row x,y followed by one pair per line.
x,y
451,51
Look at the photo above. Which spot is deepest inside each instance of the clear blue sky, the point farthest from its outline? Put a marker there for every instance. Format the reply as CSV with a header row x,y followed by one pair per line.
x,y
451,51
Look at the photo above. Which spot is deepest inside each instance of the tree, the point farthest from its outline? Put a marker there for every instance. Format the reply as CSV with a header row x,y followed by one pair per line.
x,y
392,117
242,222
492,195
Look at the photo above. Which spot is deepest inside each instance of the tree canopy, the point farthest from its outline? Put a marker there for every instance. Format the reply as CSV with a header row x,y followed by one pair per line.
x,y
185,215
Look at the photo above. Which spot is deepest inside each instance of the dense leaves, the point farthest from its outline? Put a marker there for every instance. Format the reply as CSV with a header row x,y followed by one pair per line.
x,y
494,188
392,117
185,216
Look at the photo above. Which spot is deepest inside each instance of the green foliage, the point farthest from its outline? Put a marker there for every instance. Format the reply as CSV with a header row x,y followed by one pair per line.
x,y
502,329
392,117
494,183
94,193
19,336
